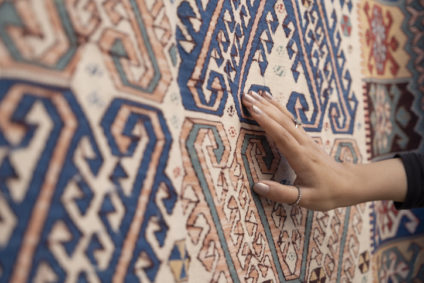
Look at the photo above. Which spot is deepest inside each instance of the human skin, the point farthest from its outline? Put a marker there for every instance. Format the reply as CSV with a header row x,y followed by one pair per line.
x,y
324,183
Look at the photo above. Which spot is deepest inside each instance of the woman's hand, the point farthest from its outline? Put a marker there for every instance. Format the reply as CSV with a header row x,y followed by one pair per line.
x,y
324,183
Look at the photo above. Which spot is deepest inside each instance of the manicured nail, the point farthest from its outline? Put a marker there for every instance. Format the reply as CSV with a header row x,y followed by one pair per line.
x,y
267,95
256,96
248,98
257,110
261,188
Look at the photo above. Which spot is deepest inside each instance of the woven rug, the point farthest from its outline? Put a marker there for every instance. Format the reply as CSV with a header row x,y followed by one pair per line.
x,y
393,75
126,155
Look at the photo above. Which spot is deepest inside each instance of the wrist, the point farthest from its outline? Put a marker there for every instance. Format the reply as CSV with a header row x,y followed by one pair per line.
x,y
384,180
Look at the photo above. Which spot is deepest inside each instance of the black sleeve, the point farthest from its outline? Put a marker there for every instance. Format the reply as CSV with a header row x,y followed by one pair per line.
x,y
414,167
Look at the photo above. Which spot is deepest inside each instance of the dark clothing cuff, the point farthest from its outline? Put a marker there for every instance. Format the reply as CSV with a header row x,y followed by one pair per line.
x,y
414,168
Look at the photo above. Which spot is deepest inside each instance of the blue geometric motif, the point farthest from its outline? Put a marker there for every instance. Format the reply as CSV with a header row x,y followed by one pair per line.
x,y
314,45
24,209
70,172
152,210
323,67
9,16
219,16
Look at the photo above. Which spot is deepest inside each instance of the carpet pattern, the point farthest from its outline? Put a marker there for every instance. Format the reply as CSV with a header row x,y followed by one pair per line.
x,y
126,154
392,42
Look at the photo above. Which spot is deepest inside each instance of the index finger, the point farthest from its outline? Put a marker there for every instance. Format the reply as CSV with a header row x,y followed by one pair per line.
x,y
285,142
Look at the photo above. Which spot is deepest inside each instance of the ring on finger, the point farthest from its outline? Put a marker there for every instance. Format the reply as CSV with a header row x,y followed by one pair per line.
x,y
299,196
297,122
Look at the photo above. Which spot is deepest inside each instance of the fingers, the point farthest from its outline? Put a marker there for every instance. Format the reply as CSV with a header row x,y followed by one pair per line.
x,y
307,197
288,145
278,105
285,142
281,193
277,113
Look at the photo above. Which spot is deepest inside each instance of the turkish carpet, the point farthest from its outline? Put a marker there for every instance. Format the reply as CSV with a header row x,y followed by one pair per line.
x,y
126,154
393,80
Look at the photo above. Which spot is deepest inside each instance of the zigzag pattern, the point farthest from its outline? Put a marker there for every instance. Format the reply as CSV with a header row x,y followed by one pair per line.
x,y
126,155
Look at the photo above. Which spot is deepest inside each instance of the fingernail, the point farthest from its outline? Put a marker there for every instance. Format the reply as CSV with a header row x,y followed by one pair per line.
x,y
261,188
268,95
256,96
248,98
257,110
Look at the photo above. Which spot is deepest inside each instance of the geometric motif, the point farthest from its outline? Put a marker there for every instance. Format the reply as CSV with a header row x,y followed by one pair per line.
x,y
38,38
390,44
346,25
317,275
179,261
400,261
244,252
126,154
224,53
237,235
391,76
230,44
382,41
391,224
364,262
138,66
414,29
92,228
379,41
44,120
392,124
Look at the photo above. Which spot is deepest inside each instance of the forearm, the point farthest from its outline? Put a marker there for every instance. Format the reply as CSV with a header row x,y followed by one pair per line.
x,y
384,180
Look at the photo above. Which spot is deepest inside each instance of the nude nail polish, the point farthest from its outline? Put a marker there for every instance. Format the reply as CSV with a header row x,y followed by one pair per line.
x,y
268,95
261,188
256,96
257,109
248,98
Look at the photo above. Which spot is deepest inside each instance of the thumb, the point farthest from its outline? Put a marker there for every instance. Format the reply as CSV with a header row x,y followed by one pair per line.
x,y
278,192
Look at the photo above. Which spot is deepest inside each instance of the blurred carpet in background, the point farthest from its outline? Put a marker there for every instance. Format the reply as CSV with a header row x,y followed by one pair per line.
x,y
392,34
126,155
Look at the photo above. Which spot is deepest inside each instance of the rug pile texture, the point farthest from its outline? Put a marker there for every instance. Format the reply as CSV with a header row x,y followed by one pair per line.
x,y
126,154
